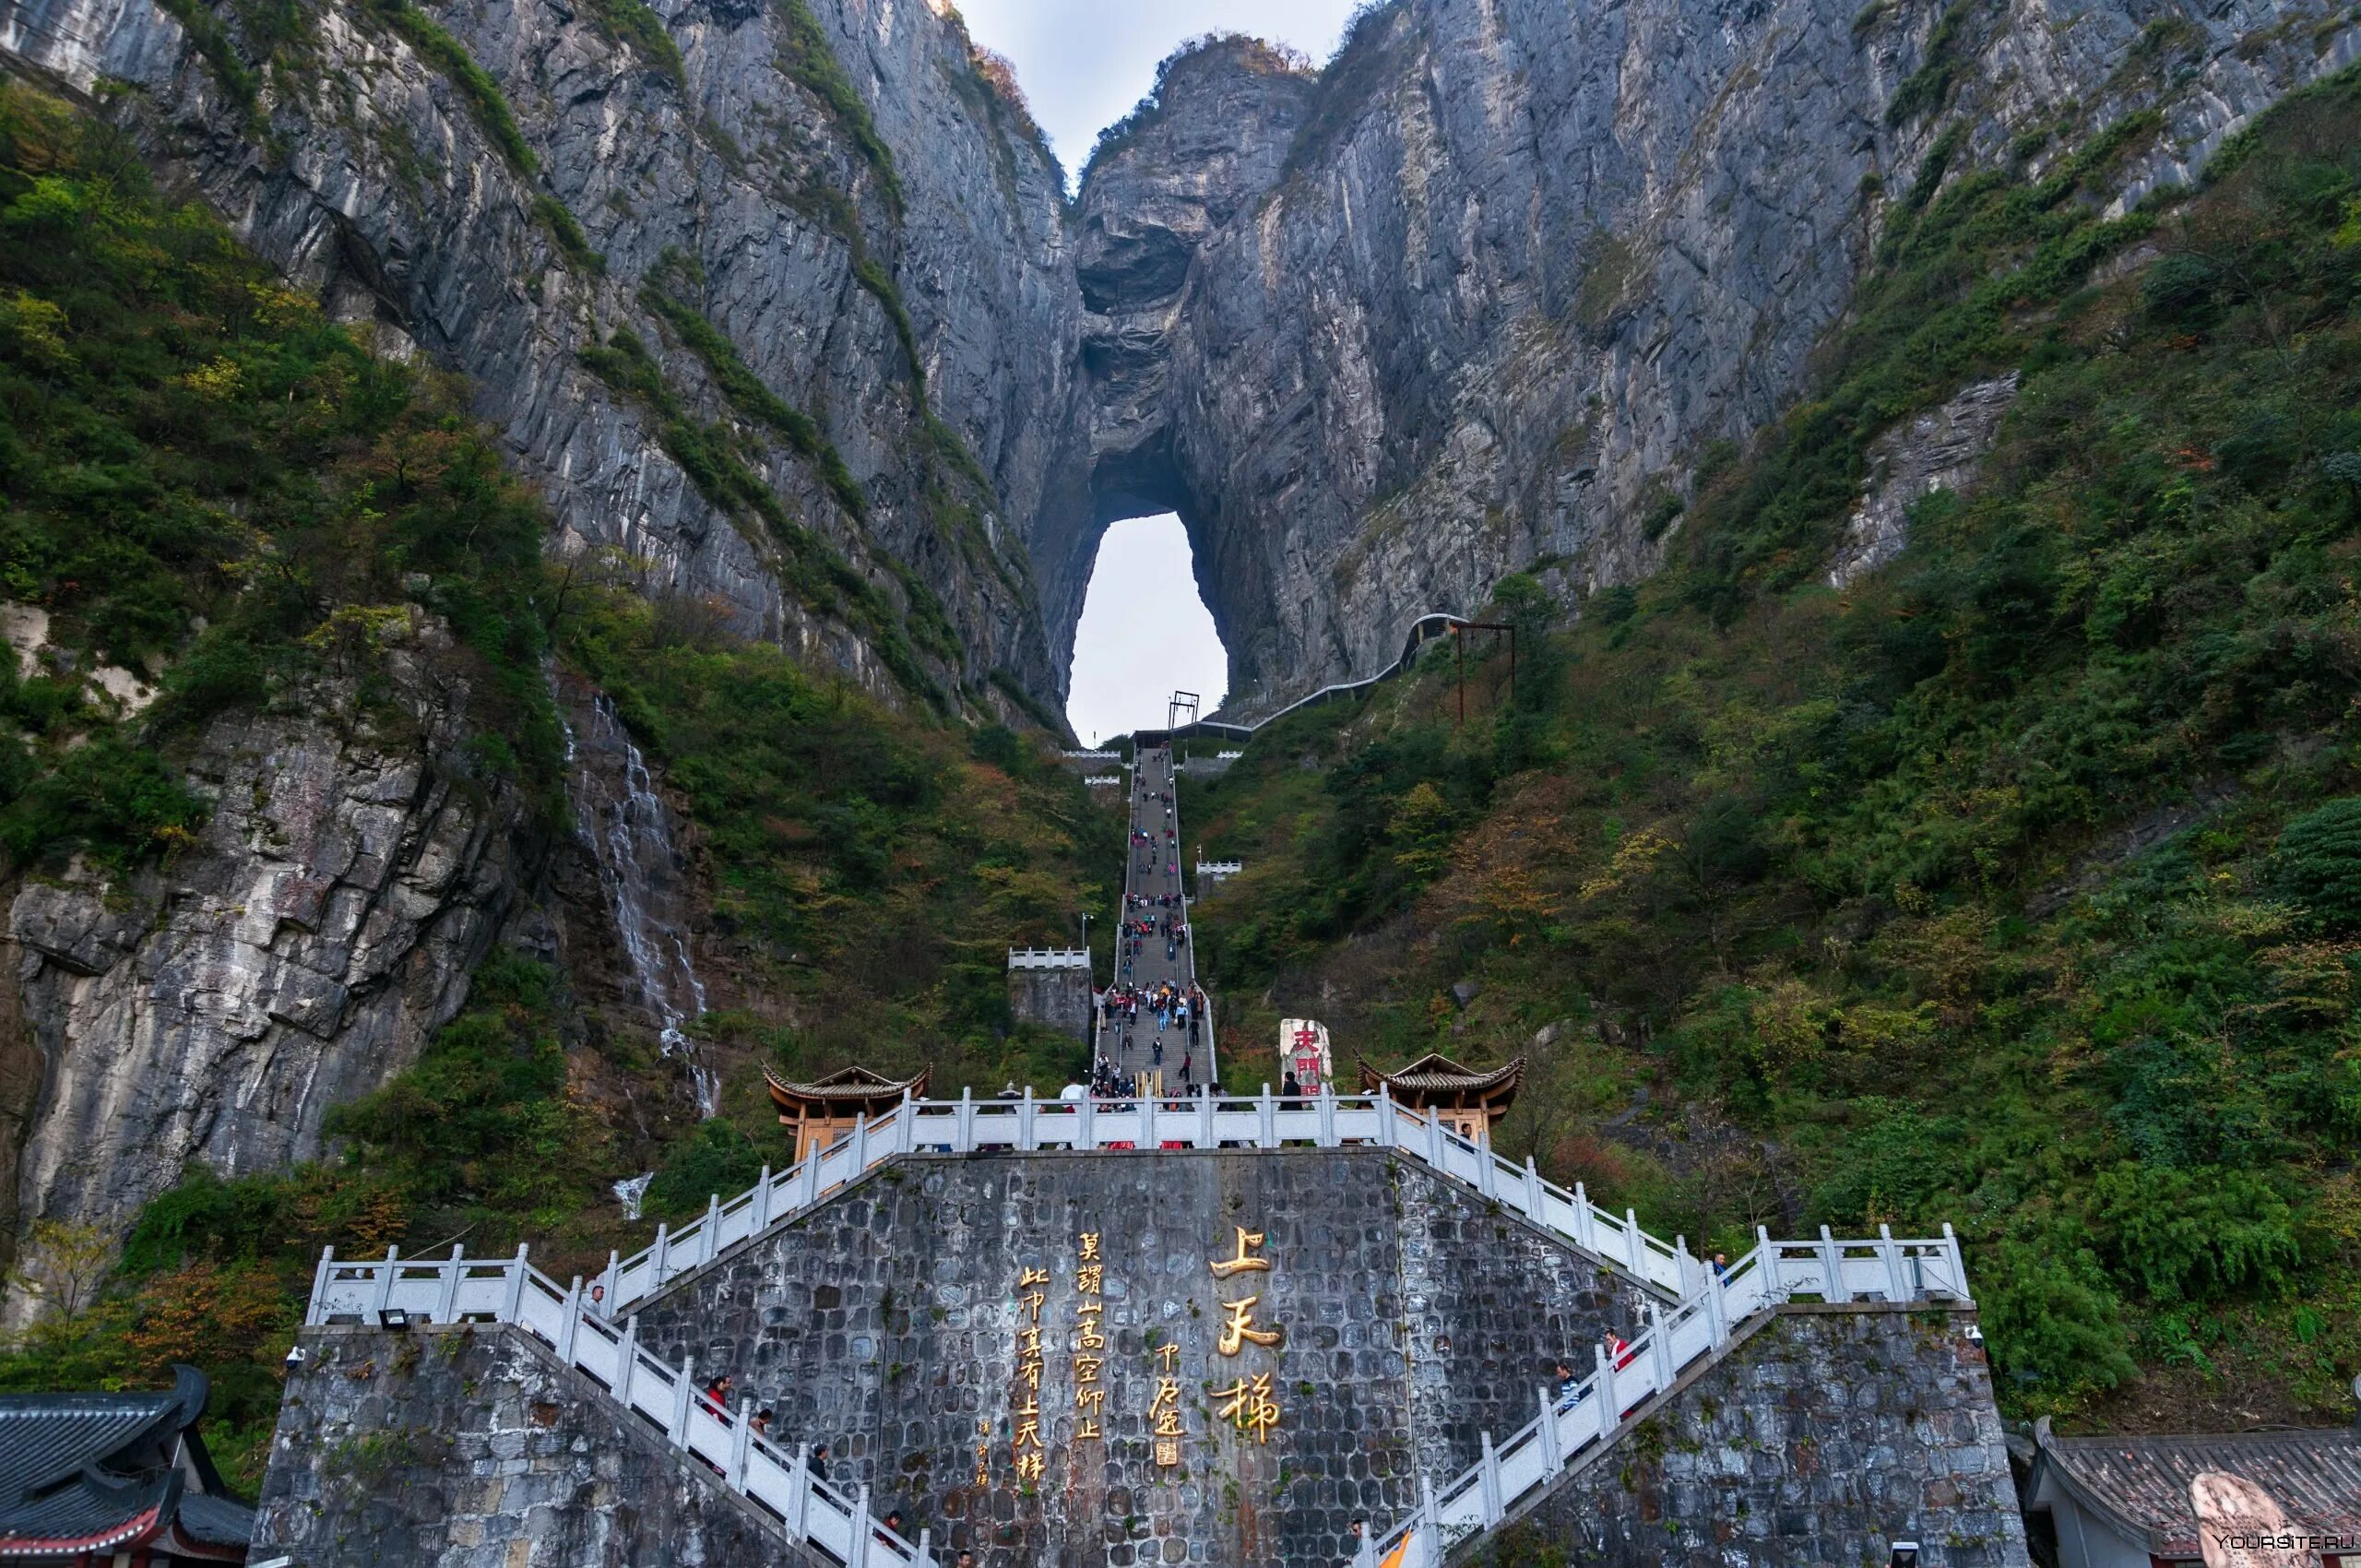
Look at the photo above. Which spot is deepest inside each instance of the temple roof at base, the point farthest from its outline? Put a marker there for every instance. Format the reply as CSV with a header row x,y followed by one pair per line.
x,y
845,1091
98,1473
2141,1485
1435,1078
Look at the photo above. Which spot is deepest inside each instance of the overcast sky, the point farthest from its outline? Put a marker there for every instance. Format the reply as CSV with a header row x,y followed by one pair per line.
x,y
1085,62
1083,65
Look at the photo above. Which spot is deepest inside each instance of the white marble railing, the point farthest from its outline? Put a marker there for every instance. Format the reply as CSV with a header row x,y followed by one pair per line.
x,y
968,1126
1048,958
666,1400
1694,1317
1220,868
1573,1428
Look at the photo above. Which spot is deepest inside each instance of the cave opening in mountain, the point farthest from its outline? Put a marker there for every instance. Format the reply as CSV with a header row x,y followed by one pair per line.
x,y
1144,633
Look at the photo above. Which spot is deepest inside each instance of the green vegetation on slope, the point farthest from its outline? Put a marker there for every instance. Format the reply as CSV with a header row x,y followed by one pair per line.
x,y
873,871
2013,885
811,64
478,1144
187,438
714,459
187,443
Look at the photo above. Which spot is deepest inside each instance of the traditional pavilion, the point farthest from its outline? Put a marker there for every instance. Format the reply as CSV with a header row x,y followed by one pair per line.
x,y
823,1112
1467,1101
101,1480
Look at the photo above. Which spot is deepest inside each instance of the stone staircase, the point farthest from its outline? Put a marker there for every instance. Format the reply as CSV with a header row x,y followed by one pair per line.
x,y
1202,1121
1577,1430
775,1479
1696,1312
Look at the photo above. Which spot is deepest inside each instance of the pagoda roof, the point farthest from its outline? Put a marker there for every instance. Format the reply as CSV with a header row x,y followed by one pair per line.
x,y
848,1090
1435,1076
99,1473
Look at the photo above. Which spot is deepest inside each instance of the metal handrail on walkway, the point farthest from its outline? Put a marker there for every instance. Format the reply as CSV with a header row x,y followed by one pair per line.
x,y
511,1290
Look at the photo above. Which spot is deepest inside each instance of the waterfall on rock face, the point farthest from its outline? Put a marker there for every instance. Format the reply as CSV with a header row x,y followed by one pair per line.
x,y
632,1193
628,830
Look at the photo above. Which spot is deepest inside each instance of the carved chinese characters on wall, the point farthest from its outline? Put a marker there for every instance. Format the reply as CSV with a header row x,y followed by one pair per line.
x,y
1247,1402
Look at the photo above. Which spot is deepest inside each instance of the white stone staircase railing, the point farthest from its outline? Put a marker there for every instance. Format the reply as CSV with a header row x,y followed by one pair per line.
x,y
968,1126
666,1400
1572,1430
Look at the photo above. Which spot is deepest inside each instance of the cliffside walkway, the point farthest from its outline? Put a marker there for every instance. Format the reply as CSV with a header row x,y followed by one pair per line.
x,y
1695,1311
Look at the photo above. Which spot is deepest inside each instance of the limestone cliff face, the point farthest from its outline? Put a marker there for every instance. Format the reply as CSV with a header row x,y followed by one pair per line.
x,y
1473,298
323,924
1520,261
366,169
858,219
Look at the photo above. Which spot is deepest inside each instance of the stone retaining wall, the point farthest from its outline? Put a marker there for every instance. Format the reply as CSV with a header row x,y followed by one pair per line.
x,y
887,1322
1825,1437
470,1447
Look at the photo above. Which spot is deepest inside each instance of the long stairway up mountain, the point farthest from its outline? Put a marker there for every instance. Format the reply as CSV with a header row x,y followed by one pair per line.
x,y
1155,951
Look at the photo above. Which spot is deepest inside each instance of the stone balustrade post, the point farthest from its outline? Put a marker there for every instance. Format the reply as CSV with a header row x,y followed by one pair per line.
x,y
1717,1308
391,1267
683,1389
1774,1279
964,1140
1388,1134
627,1360
1205,1117
1085,1124
1610,1411
1585,1220
862,1531
1535,1206
1831,1258
741,1442
1327,1115
760,1218
811,1169
799,1496
1025,1131
570,1325
1268,1134
659,1255
1488,1482
317,1312
859,1144
1635,1245
449,1286
1660,1348
1553,1448
614,1265
710,1242
1430,1524
512,1308
1958,1264
1897,1279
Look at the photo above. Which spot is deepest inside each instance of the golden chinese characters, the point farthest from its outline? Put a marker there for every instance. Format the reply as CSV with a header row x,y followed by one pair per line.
x,y
1164,1413
1240,1263
1250,1406
1089,1344
1028,1447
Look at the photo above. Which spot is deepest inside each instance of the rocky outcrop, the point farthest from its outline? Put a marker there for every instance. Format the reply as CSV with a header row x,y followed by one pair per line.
x,y
1521,261
831,183
322,925
1938,450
